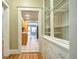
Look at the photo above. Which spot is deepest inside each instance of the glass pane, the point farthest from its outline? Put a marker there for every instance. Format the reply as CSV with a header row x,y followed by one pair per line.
x,y
47,17
61,20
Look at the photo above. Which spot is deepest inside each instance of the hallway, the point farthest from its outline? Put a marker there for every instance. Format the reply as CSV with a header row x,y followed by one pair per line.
x,y
32,45
32,24
37,29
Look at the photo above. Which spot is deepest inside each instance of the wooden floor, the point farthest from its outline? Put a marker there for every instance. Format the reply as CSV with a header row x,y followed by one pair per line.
x,y
25,56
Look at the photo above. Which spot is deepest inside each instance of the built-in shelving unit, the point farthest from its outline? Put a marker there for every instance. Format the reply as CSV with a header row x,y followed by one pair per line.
x,y
47,17
56,29
61,19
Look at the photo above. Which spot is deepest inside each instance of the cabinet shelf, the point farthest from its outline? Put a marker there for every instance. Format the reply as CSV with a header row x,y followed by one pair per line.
x,y
57,33
60,10
61,26
47,33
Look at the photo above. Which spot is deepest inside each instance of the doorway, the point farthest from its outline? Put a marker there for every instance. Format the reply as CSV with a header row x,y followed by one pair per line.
x,y
33,20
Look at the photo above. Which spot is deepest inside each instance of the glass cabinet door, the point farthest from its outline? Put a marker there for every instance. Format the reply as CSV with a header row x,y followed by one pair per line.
x,y
47,17
61,19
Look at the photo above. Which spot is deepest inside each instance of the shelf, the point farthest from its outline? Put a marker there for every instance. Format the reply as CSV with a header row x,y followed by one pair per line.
x,y
62,26
48,32
57,33
60,10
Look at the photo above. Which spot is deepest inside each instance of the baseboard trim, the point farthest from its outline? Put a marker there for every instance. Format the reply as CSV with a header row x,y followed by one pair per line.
x,y
14,51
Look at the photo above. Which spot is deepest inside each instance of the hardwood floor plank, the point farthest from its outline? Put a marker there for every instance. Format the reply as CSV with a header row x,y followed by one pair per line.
x,y
35,56
11,57
26,56
32,55
20,56
23,56
40,56
17,56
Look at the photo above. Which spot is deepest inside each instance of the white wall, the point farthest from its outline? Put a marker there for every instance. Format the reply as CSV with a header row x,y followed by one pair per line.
x,y
73,28
14,18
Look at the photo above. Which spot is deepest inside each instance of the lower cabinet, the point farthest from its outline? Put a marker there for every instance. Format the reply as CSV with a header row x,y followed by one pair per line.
x,y
53,51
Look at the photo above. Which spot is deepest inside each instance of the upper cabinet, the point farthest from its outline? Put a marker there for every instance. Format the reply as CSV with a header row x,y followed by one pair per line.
x,y
56,19
61,19
47,17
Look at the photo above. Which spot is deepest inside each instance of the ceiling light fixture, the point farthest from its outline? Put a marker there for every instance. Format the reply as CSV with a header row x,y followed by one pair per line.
x,y
27,17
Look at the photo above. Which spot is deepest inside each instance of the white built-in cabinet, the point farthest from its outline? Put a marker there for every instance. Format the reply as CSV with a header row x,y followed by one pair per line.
x,y
55,39
51,50
61,20
56,18
47,17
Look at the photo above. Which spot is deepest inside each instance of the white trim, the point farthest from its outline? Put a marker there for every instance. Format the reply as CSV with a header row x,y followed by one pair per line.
x,y
5,3
61,40
19,22
6,38
60,10
20,6
32,9
15,52
58,43
33,23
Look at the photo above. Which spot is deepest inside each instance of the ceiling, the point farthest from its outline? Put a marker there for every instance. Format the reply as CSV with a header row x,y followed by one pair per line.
x,y
33,15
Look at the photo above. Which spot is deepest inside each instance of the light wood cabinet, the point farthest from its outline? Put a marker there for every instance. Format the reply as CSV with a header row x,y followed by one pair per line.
x,y
24,38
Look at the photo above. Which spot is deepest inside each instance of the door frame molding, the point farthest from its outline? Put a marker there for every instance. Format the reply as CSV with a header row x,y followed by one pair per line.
x,y
20,24
6,39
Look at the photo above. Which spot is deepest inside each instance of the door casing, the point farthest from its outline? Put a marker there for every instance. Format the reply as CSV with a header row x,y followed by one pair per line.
x,y
5,26
20,9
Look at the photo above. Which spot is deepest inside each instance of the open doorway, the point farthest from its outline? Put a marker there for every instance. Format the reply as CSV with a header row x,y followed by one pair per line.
x,y
28,37
29,31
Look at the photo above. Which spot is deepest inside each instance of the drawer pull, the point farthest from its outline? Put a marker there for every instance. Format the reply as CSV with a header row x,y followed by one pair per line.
x,y
61,56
